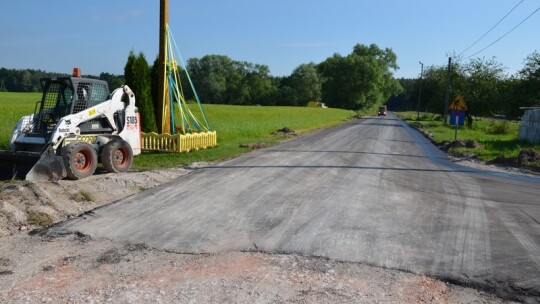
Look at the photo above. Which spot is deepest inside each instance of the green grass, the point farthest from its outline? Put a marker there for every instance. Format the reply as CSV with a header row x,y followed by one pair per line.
x,y
235,125
496,137
13,106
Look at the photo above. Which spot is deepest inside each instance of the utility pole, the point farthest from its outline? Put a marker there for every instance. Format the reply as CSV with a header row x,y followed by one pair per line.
x,y
164,105
2,86
420,91
447,96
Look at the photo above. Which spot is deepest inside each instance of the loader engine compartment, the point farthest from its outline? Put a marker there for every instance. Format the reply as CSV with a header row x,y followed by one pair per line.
x,y
99,125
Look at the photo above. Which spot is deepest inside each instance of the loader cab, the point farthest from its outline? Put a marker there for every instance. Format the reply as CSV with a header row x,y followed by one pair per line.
x,y
63,96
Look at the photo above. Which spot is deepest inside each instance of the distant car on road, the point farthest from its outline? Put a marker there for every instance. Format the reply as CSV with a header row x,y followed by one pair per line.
x,y
382,111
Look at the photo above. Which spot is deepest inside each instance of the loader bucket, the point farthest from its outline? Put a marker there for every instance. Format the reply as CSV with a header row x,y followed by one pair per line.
x,y
49,167
16,164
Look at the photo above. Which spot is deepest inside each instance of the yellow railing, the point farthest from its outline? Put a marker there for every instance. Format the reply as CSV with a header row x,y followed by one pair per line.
x,y
178,142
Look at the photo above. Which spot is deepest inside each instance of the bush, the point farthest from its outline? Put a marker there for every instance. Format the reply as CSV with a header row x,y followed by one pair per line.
x,y
39,219
82,196
498,127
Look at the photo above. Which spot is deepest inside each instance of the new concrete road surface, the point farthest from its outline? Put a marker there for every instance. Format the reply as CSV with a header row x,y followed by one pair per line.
x,y
372,191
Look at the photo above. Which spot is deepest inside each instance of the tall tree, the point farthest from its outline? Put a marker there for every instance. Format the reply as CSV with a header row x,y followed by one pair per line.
x,y
213,75
137,75
482,87
219,79
434,85
530,75
407,99
306,84
114,81
360,80
258,84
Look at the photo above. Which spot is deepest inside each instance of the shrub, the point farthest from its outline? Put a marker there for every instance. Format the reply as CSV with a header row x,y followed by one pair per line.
x,y
39,219
82,196
498,127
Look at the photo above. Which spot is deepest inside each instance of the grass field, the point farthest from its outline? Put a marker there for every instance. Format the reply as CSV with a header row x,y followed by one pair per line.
x,y
235,125
13,106
496,137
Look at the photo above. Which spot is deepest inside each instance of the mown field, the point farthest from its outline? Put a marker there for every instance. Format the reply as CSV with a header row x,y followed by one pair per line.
x,y
496,137
13,106
235,125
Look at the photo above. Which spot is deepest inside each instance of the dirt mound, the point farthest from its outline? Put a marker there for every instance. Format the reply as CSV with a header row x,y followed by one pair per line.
x,y
285,131
528,156
28,205
525,158
255,146
467,143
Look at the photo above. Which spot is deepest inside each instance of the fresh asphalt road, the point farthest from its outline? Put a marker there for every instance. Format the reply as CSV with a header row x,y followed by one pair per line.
x,y
372,190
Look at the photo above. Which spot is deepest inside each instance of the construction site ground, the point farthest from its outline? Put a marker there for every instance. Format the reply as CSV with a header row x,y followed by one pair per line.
x,y
37,267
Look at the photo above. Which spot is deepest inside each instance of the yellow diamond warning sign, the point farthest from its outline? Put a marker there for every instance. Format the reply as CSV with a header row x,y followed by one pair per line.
x,y
458,104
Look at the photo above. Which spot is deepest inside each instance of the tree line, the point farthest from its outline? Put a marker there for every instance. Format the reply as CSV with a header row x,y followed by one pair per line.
x,y
363,78
483,82
27,80
360,79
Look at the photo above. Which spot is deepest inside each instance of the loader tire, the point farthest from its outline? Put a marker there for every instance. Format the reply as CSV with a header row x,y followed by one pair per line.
x,y
80,160
117,156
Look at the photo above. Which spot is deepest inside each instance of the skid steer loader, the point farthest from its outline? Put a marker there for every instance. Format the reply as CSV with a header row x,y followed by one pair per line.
x,y
75,125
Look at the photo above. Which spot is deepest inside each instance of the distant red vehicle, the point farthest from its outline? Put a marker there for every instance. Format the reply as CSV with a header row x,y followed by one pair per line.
x,y
382,111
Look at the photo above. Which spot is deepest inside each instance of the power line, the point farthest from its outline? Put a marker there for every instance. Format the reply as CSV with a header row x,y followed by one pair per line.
x,y
474,43
538,9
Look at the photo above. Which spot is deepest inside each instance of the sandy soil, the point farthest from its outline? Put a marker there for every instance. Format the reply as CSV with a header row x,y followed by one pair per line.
x,y
36,267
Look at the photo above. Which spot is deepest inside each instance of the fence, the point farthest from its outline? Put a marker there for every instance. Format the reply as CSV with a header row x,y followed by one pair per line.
x,y
178,142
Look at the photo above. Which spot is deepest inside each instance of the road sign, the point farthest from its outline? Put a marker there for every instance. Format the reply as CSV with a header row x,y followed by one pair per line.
x,y
457,117
458,104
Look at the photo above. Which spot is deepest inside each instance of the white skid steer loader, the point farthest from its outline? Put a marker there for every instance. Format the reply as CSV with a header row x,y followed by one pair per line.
x,y
75,125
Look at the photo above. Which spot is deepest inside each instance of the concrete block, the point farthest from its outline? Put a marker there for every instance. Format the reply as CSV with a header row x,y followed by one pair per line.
x,y
529,128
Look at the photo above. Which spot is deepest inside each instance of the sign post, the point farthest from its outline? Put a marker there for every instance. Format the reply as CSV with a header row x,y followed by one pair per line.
x,y
457,124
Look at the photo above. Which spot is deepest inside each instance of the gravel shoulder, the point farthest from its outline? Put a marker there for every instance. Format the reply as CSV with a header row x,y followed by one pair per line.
x,y
76,269
36,267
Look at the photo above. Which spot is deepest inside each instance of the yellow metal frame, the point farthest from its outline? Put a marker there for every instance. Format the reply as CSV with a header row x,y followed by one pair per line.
x,y
178,142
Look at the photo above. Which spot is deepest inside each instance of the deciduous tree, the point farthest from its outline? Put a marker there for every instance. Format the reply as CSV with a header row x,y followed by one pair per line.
x,y
305,82
530,76
361,79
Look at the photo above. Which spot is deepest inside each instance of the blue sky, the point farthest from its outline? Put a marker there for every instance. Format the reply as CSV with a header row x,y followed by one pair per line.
x,y
97,35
